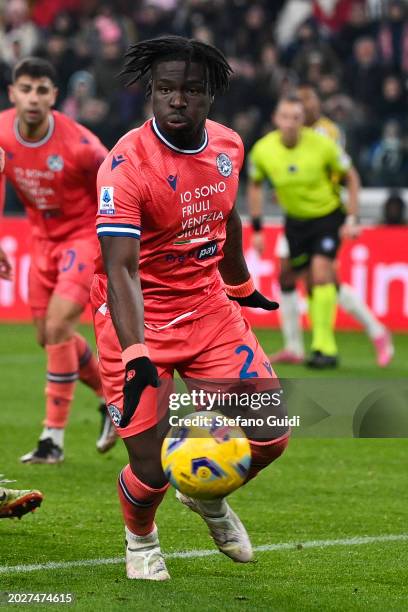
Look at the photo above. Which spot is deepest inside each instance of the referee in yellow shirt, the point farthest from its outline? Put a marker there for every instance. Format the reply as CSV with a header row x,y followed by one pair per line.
x,y
300,164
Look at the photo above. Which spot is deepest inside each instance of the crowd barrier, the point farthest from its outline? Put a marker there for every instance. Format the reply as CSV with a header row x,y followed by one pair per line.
x,y
376,265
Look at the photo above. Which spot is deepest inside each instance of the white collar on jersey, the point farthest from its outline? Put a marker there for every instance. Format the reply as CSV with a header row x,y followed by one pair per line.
x,y
174,148
35,143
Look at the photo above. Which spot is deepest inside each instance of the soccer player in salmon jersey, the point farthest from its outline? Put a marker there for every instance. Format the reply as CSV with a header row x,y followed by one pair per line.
x,y
52,162
168,290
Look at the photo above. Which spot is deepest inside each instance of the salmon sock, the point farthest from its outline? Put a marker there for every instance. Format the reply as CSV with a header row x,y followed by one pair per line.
x,y
88,365
263,453
139,502
62,372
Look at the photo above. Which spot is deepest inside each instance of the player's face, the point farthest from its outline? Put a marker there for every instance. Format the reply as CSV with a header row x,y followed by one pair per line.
x,y
33,98
181,101
311,104
289,118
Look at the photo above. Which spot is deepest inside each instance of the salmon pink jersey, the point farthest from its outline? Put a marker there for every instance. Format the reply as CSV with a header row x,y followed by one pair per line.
x,y
177,202
54,177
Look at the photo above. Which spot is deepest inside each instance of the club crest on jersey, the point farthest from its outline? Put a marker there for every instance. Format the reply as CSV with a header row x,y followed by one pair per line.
x,y
55,163
224,164
114,414
106,203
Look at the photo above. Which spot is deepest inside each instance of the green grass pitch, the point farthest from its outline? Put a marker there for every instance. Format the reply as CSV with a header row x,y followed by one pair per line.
x,y
321,490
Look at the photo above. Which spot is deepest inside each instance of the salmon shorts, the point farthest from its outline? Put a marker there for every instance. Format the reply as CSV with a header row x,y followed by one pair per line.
x,y
65,268
216,347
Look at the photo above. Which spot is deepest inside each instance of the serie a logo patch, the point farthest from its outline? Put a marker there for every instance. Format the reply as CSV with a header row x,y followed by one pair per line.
x,y
106,202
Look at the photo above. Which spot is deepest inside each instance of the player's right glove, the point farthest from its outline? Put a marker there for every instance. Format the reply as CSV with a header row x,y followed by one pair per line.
x,y
139,374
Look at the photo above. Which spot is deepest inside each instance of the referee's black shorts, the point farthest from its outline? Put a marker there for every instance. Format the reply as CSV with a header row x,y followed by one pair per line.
x,y
310,237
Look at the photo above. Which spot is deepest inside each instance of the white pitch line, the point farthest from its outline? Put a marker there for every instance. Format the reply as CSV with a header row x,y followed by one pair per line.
x,y
195,554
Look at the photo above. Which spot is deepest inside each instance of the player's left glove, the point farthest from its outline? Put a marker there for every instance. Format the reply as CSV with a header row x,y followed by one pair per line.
x,y
256,300
246,295
140,373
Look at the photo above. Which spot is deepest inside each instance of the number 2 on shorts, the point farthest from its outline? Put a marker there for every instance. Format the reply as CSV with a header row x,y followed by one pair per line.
x,y
244,372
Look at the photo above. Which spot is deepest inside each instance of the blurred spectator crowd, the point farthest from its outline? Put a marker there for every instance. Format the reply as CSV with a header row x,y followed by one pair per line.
x,y
355,52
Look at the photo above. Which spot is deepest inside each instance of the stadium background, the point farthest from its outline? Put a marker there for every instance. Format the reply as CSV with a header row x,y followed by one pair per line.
x,y
355,52
328,520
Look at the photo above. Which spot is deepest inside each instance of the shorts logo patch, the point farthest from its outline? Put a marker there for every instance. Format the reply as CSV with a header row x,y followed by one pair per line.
x,y
106,204
292,169
207,251
224,164
55,163
328,244
114,414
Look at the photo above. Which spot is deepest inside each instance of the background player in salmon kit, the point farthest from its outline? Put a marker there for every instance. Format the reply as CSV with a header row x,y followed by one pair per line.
x,y
300,164
52,163
165,296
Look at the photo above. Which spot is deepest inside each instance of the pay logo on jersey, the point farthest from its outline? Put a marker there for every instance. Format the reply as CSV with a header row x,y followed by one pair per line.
x,y
224,164
106,203
55,163
209,250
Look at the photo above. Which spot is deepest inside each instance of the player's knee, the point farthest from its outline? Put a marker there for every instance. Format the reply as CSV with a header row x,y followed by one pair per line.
x,y
287,281
57,330
41,338
321,279
287,287
149,471
144,460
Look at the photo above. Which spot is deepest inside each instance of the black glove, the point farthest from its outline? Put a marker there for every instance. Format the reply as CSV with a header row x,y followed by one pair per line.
x,y
140,373
256,300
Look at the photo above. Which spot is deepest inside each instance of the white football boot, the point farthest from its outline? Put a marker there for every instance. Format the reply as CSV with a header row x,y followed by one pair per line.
x,y
227,531
144,559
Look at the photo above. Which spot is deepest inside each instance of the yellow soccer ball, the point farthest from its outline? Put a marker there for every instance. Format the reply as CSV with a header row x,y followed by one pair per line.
x,y
205,458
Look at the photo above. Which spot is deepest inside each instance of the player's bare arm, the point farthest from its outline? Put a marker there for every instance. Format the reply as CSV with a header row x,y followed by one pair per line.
x,y
350,228
238,282
232,267
125,301
255,206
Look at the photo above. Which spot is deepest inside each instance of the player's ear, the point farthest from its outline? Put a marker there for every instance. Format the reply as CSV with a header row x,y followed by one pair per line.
x,y
273,118
11,93
55,92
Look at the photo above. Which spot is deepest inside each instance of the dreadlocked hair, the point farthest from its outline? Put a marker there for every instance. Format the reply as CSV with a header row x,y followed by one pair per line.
x,y
140,58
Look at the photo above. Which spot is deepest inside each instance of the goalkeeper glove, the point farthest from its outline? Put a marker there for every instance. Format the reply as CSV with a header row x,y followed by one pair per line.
x,y
256,300
140,373
246,295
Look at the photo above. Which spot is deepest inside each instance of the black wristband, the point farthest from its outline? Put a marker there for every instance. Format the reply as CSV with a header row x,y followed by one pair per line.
x,y
256,224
